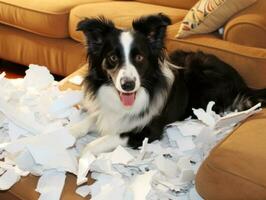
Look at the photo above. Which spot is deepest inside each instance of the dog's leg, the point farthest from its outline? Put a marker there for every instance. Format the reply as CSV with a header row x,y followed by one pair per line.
x,y
105,143
83,127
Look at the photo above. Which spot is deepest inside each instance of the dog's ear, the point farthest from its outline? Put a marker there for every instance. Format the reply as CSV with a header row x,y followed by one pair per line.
x,y
95,30
154,28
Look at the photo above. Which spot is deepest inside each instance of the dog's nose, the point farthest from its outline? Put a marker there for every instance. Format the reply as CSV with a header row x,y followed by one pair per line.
x,y
127,84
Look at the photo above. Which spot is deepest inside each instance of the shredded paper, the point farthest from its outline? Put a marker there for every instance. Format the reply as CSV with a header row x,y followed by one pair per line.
x,y
35,117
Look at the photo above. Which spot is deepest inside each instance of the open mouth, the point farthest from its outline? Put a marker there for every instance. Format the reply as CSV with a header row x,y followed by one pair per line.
x,y
127,99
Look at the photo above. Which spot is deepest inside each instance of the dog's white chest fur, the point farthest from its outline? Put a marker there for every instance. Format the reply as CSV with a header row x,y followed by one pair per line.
x,y
110,116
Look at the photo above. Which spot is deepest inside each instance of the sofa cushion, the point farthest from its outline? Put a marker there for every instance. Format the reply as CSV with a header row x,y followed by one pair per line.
x,y
250,62
251,22
209,15
47,18
235,169
61,56
185,4
122,13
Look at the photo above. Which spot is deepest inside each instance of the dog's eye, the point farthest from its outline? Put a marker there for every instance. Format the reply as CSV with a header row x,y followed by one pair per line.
x,y
139,58
113,58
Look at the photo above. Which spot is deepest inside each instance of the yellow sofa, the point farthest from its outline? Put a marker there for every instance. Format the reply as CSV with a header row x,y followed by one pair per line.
x,y
44,33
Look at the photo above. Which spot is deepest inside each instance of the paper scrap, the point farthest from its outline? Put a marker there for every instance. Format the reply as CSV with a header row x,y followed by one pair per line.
x,y
38,77
167,166
141,185
84,167
83,190
118,156
77,80
8,179
50,185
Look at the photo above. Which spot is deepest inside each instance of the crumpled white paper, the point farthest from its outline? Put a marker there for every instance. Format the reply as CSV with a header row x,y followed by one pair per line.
x,y
35,115
34,137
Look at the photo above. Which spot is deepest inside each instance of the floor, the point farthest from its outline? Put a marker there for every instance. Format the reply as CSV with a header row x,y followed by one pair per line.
x,y
14,70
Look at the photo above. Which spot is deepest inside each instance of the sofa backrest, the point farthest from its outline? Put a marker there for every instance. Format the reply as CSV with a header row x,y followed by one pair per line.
x,y
184,4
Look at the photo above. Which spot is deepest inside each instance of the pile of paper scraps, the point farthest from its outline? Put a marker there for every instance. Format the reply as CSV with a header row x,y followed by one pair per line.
x,y
34,138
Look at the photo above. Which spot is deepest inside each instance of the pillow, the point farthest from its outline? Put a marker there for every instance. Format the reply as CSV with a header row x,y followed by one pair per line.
x,y
208,15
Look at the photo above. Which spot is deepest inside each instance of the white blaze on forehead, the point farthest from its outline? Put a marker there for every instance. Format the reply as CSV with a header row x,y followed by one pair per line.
x,y
126,40
127,69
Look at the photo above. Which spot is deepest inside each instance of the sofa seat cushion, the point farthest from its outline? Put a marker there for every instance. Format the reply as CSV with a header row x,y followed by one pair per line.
x,y
235,169
61,56
122,13
47,18
250,62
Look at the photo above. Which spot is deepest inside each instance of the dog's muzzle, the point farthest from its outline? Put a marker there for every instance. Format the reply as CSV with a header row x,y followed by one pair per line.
x,y
128,93
127,84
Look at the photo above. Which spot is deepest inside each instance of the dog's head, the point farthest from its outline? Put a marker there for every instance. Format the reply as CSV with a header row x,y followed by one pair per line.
x,y
125,59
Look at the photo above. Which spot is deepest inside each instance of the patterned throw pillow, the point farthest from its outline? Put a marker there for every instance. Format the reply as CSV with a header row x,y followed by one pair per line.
x,y
208,15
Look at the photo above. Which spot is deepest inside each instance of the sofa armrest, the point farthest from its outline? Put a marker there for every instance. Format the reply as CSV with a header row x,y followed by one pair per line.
x,y
248,27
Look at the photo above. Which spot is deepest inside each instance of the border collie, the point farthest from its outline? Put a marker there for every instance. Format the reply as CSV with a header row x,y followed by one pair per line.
x,y
133,89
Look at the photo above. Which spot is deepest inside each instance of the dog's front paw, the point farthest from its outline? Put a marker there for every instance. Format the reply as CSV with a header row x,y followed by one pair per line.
x,y
76,131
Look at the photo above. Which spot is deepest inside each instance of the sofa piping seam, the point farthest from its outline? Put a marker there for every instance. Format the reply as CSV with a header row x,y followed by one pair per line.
x,y
34,32
235,175
210,47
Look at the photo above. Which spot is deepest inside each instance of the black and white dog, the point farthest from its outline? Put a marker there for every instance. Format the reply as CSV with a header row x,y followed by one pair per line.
x,y
133,89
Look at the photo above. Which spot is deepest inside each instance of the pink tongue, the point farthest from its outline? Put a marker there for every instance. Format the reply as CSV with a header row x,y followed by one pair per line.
x,y
127,98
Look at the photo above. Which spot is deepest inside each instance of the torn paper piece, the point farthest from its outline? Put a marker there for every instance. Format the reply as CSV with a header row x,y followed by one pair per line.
x,y
53,157
83,190
84,166
141,185
66,100
143,149
118,156
21,172
184,163
190,127
166,166
50,185
107,186
234,118
59,138
47,150
2,119
111,191
2,75
206,137
186,176
76,80
21,118
25,162
4,165
208,117
103,166
183,143
16,132
127,170
8,179
38,77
